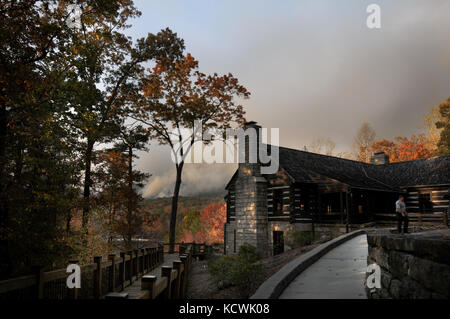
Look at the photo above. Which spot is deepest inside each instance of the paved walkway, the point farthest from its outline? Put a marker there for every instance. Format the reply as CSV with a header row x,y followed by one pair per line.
x,y
135,289
339,274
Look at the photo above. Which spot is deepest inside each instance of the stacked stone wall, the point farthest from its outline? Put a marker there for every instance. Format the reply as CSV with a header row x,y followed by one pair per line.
x,y
414,266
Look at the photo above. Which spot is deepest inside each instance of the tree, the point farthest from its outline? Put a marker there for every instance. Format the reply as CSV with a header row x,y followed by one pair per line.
x,y
212,219
105,69
433,133
39,171
404,148
122,184
205,226
63,91
444,124
175,95
190,226
411,149
363,140
322,146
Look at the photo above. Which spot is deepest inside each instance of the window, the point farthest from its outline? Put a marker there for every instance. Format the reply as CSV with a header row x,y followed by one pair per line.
x,y
425,204
277,201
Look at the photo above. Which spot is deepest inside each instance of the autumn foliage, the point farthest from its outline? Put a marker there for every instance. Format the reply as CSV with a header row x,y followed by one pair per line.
x,y
206,226
174,96
444,125
403,148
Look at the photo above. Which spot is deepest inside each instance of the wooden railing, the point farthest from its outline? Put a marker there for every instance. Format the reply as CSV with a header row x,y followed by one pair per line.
x,y
173,281
97,279
415,219
198,250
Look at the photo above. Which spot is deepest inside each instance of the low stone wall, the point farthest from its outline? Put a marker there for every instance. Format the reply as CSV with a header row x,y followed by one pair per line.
x,y
413,266
340,229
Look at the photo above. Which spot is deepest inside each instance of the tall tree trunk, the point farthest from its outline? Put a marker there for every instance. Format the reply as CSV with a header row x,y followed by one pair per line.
x,y
130,182
173,214
87,185
68,220
4,200
130,195
3,175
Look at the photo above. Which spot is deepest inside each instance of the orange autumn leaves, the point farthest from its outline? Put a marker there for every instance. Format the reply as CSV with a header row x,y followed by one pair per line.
x,y
206,226
177,90
404,148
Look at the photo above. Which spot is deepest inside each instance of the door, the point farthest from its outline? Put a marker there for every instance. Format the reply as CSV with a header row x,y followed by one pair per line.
x,y
278,242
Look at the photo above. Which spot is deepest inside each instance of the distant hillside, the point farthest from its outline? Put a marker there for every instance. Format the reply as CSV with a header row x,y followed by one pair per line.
x,y
162,206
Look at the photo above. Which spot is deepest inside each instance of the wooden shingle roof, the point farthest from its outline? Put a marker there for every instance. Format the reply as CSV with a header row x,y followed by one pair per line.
x,y
301,165
304,166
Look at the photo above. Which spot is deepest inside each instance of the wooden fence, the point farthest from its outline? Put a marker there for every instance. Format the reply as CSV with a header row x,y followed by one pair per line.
x,y
173,281
198,250
417,219
389,219
97,279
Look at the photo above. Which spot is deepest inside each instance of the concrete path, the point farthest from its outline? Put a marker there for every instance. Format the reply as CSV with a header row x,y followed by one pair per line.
x,y
134,291
339,274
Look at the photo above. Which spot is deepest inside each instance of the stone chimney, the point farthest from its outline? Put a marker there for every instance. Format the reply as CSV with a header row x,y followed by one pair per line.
x,y
379,158
251,196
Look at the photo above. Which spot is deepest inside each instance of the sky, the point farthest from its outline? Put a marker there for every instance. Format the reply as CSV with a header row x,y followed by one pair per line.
x,y
313,67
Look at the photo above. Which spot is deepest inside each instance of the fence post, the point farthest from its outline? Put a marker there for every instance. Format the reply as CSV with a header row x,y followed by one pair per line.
x,y
419,218
112,274
166,271
98,277
150,254
73,293
146,260
445,217
184,260
148,283
150,259
136,263
161,254
130,253
38,271
142,261
122,270
176,291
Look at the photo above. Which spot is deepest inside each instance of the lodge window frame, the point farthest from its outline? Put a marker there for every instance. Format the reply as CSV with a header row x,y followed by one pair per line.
x,y
425,203
277,202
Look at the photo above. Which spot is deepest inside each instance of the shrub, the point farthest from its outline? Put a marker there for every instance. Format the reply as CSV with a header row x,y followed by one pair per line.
x,y
296,238
249,253
239,270
221,270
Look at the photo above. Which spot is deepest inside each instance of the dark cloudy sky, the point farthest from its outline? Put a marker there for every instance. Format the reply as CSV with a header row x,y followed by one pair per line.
x,y
313,67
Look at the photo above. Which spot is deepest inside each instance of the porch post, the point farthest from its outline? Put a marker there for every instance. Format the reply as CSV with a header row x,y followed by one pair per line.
x,y
347,206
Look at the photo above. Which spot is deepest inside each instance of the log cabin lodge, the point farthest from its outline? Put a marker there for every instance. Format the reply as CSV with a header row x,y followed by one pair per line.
x,y
312,191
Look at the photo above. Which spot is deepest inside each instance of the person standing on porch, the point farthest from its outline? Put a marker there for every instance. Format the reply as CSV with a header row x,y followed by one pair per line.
x,y
402,215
